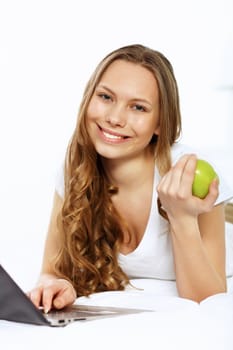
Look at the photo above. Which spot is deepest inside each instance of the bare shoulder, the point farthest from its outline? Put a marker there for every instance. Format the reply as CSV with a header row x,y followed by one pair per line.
x,y
57,201
52,243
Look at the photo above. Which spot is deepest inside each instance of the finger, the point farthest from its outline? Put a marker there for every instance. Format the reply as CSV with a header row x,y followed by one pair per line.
x,y
178,175
188,175
35,296
65,297
48,295
172,180
164,182
212,195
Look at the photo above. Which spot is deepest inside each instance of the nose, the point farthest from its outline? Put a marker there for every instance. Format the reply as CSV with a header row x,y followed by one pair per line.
x,y
116,116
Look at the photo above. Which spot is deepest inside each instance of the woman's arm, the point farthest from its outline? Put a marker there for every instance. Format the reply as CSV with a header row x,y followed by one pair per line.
x,y
50,290
199,255
197,232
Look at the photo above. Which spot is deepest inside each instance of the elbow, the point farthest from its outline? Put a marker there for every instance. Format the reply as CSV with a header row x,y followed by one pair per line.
x,y
199,297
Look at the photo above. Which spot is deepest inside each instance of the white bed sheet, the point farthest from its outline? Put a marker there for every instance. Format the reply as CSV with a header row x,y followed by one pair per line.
x,y
174,323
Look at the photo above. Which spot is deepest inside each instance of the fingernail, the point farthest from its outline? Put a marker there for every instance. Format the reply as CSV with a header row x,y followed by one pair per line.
x,y
46,309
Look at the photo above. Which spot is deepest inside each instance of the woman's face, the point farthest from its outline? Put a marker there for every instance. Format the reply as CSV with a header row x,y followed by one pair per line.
x,y
123,113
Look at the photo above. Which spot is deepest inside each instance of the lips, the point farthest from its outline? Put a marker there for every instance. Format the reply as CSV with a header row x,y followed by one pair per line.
x,y
112,136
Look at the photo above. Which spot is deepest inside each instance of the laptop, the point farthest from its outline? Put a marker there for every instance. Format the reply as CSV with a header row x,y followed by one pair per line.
x,y
17,307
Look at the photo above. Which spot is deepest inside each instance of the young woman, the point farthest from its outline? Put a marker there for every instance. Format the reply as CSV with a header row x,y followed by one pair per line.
x,y
124,207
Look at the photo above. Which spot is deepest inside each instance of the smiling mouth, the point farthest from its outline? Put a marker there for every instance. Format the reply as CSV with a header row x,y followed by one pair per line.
x,y
112,136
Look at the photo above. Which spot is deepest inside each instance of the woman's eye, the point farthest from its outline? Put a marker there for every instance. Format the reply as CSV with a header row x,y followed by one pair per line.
x,y
139,108
105,97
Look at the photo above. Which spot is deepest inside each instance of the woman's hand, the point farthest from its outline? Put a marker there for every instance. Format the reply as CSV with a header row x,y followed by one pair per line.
x,y
52,292
175,191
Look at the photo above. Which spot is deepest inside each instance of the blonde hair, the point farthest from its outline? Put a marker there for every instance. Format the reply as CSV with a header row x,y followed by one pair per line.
x,y
90,228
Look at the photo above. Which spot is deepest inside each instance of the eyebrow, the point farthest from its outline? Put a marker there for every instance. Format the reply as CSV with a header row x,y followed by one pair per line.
x,y
113,93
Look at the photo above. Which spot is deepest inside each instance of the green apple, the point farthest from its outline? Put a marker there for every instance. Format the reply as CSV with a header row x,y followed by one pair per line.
x,y
204,175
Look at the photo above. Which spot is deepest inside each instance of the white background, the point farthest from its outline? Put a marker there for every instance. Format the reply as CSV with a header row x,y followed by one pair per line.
x,y
49,48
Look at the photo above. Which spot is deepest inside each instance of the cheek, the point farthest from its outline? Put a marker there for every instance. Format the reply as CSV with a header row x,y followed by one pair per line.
x,y
95,110
90,111
145,126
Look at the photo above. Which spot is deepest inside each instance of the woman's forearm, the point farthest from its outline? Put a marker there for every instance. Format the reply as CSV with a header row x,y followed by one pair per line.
x,y
196,275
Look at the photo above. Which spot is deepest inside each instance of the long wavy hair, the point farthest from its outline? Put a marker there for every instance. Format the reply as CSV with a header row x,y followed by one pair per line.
x,y
90,228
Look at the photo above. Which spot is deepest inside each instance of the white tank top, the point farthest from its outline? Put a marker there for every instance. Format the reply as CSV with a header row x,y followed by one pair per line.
x,y
153,257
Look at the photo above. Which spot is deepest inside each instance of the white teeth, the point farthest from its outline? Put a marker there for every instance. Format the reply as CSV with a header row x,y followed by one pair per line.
x,y
110,136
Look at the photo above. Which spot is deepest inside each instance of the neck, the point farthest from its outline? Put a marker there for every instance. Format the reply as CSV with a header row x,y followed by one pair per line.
x,y
129,173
